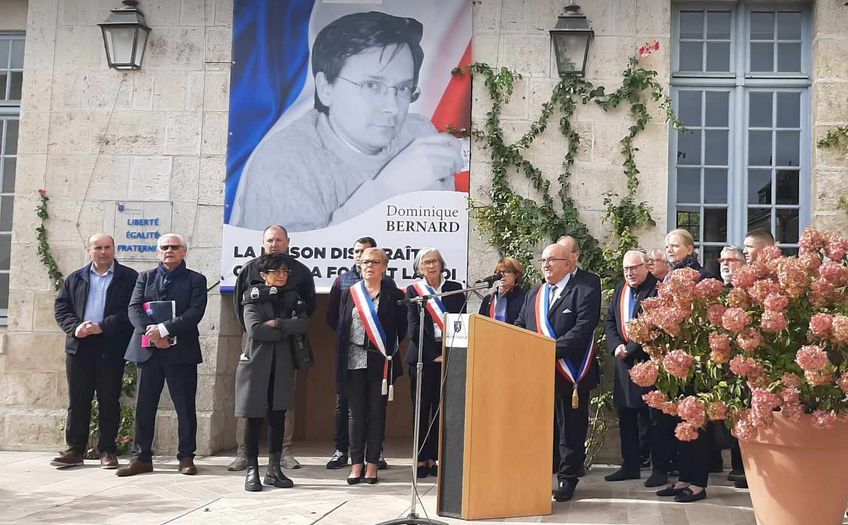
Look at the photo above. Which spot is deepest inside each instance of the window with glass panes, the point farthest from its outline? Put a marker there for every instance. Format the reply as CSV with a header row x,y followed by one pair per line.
x,y
11,81
740,84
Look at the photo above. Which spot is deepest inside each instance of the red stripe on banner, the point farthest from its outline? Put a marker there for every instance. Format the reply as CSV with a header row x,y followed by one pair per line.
x,y
454,110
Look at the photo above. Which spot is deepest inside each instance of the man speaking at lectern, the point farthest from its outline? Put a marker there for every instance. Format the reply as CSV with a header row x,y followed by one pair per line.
x,y
567,307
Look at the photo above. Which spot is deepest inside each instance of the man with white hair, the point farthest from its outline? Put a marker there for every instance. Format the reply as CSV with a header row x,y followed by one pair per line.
x,y
625,305
173,356
730,260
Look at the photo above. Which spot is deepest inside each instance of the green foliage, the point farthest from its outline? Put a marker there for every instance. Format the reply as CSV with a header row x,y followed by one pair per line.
x,y
518,226
833,138
44,252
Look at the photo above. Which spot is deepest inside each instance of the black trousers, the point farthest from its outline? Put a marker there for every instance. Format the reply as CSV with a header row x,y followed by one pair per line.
x,y
89,374
253,429
664,446
182,386
644,433
342,423
573,427
630,434
367,418
736,456
431,393
694,458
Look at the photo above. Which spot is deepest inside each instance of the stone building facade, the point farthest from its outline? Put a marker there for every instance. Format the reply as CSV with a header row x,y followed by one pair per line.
x,y
92,136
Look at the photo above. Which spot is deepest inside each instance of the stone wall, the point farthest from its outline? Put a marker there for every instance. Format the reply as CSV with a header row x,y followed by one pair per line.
x,y
830,108
92,136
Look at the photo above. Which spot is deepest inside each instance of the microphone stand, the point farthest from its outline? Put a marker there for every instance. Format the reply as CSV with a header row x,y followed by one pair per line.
x,y
412,518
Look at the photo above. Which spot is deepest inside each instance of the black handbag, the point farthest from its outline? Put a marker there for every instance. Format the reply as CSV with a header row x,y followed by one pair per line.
x,y
302,355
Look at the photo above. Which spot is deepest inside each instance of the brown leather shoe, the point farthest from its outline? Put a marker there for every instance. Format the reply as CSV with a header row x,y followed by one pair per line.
x,y
108,460
187,466
134,467
71,458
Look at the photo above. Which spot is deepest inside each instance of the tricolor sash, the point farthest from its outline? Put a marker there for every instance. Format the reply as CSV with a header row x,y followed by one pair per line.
x,y
492,305
563,366
434,304
625,311
374,330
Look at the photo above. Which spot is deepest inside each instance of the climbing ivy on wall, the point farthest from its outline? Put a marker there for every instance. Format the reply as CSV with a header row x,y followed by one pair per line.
x,y
517,225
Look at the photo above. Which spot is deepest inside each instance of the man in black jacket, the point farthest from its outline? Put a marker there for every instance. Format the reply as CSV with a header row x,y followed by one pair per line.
x,y
173,356
91,309
275,240
625,305
568,311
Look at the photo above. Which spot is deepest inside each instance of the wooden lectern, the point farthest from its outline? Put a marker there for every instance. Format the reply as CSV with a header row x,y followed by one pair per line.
x,y
496,441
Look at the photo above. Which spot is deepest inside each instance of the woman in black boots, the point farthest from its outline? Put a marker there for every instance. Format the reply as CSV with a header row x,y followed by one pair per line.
x,y
273,315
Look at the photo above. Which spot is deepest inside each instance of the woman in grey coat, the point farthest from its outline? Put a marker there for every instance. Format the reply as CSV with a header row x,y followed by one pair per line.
x,y
273,316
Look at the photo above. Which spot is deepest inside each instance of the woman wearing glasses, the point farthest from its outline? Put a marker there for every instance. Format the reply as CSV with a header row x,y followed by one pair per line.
x,y
430,265
504,303
265,374
371,326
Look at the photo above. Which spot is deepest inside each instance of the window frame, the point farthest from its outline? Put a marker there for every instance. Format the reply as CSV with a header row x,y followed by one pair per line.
x,y
740,83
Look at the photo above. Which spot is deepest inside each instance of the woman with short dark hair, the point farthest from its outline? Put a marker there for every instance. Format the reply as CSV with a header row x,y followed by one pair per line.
x,y
504,303
273,317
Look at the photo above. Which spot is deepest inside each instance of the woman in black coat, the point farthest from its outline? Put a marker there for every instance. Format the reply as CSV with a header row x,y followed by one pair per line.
x,y
693,456
504,303
273,317
430,265
371,326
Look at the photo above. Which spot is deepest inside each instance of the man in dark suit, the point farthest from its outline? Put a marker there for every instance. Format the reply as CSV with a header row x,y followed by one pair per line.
x,y
568,311
625,305
173,357
91,309
275,240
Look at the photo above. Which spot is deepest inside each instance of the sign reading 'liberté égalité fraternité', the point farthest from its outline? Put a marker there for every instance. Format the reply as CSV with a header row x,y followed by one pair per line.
x,y
138,226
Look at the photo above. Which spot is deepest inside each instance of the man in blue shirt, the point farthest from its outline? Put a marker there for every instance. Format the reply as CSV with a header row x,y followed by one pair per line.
x,y
91,309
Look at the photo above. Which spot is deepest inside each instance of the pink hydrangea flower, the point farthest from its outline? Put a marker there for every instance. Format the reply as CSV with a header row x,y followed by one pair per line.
x,y
714,313
790,380
823,293
819,377
763,402
744,277
820,325
717,411
749,339
742,366
692,411
686,432
773,322
811,358
776,302
734,319
678,363
742,427
843,383
793,277
762,289
645,374
738,298
836,247
839,329
823,420
812,240
719,348
709,289
655,399
834,273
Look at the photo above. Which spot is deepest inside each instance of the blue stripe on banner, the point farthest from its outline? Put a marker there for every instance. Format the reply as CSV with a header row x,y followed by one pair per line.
x,y
271,55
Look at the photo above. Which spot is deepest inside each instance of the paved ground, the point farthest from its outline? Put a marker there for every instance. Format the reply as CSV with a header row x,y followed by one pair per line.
x,y
33,492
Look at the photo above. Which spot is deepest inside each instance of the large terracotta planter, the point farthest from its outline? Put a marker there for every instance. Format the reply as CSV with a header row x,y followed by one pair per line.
x,y
797,474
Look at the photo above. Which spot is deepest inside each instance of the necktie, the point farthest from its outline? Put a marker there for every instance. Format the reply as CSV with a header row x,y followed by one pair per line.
x,y
551,296
633,304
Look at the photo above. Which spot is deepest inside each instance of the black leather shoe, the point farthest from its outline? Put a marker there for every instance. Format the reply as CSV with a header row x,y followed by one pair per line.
x,y
687,496
670,491
656,479
251,481
621,475
422,471
741,483
354,480
371,481
736,475
434,470
274,475
338,460
565,489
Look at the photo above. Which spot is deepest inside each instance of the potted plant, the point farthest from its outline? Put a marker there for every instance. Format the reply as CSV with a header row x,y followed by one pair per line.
x,y
767,356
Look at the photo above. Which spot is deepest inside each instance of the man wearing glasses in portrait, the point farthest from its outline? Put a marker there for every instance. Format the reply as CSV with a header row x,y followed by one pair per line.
x,y
359,145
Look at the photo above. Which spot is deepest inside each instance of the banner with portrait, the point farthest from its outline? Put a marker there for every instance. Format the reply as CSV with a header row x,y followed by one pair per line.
x,y
343,124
